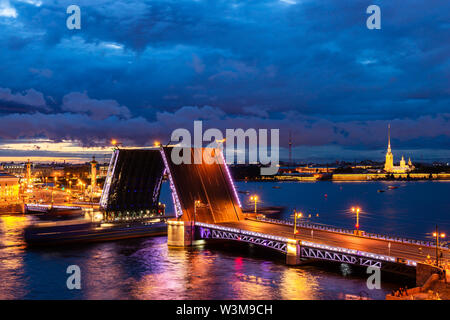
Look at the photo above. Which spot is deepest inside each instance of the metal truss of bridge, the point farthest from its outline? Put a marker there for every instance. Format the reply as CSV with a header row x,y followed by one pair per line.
x,y
208,231
133,184
210,184
300,250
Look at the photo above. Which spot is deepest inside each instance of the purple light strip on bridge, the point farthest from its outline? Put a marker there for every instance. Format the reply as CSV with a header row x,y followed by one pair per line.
x,y
306,243
109,175
230,179
176,200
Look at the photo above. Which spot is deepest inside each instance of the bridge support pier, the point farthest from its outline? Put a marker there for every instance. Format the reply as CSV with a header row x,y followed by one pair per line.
x,y
424,271
293,254
181,234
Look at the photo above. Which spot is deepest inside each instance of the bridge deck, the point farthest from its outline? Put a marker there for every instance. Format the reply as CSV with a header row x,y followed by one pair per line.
x,y
398,250
208,183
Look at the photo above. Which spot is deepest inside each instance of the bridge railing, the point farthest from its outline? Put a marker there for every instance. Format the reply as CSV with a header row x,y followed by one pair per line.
x,y
280,243
321,227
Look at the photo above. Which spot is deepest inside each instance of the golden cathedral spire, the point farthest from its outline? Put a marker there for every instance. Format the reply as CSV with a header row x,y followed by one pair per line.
x,y
389,164
389,137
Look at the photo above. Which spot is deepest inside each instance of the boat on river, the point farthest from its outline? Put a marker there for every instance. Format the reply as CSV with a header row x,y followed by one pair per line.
x,y
85,231
52,212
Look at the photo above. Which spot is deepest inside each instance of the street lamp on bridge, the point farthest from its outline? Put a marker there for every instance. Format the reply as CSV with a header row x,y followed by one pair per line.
x,y
356,210
116,144
255,199
437,236
197,204
297,215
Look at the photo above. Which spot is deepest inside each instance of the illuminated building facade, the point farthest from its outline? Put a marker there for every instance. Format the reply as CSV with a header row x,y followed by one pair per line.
x,y
9,188
403,167
17,169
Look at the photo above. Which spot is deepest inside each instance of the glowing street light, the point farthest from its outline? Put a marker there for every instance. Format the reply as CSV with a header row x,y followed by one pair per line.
x,y
255,199
297,215
196,204
115,143
356,210
437,236
157,143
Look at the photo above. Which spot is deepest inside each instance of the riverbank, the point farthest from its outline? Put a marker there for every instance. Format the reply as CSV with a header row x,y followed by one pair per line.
x,y
15,208
390,177
435,288
356,177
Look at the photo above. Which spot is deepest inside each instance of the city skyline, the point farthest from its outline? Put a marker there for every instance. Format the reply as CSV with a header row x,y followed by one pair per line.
x,y
67,151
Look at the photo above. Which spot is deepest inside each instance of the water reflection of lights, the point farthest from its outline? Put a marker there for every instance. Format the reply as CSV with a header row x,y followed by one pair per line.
x,y
11,255
296,284
256,279
176,274
252,286
101,270
148,269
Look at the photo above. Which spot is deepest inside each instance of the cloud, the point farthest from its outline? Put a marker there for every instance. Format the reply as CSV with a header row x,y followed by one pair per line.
x,y
36,3
76,127
197,64
77,102
311,67
46,73
6,10
88,130
29,97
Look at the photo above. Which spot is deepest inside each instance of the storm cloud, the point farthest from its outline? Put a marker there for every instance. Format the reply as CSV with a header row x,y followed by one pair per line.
x,y
139,69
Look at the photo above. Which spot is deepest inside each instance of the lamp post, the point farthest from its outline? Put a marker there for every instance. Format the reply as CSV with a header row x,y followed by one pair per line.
x,y
255,199
356,210
296,215
116,144
437,236
196,203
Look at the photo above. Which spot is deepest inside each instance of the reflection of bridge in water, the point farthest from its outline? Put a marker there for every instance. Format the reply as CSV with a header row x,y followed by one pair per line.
x,y
207,208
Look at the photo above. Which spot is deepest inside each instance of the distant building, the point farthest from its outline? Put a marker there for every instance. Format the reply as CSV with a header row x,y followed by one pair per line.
x,y
389,164
308,169
17,169
47,170
78,171
103,170
9,188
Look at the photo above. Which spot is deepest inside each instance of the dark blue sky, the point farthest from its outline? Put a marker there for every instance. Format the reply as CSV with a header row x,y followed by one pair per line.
x,y
139,69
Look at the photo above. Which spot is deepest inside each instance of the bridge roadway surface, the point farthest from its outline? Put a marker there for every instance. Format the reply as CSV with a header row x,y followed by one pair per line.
x,y
398,250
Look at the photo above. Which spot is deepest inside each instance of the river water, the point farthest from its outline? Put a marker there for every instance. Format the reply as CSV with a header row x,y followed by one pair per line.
x,y
148,269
